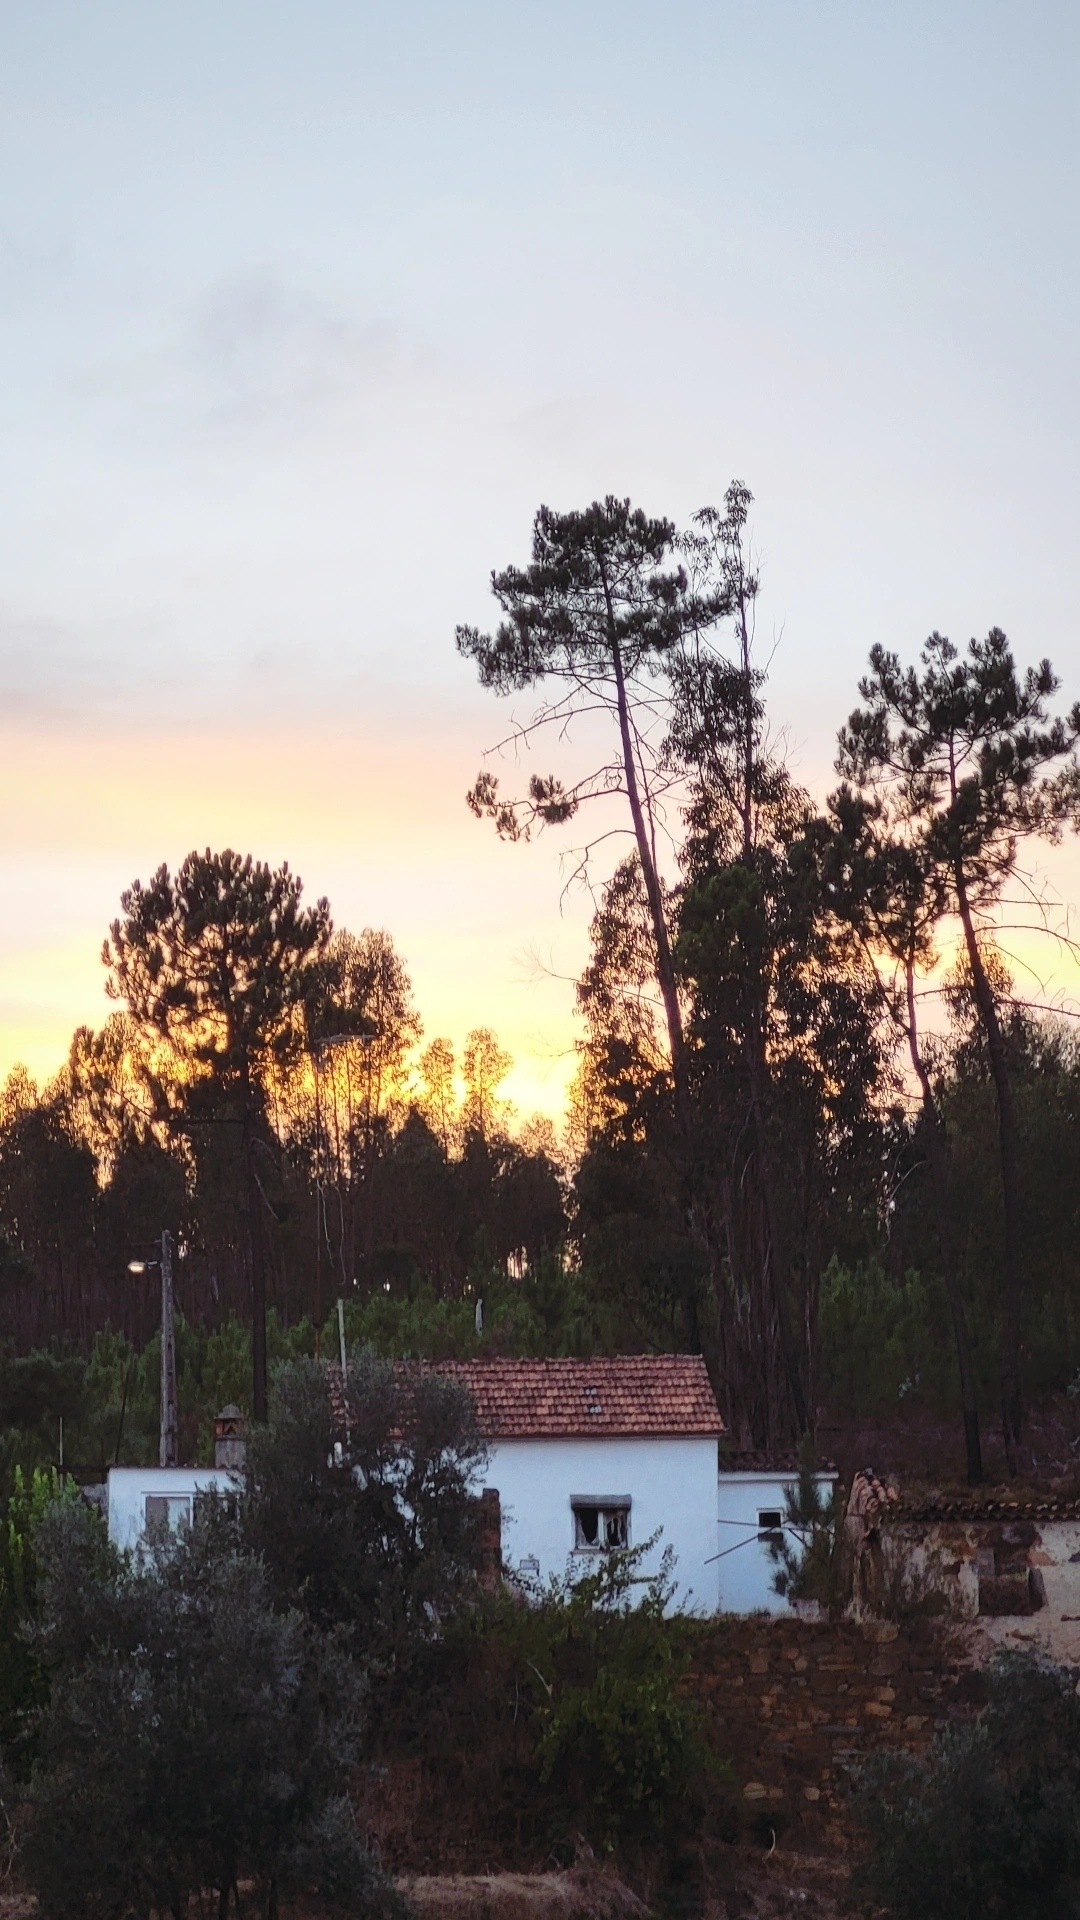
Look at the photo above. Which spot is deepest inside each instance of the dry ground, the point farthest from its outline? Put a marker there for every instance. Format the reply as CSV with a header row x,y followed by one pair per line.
x,y
745,1886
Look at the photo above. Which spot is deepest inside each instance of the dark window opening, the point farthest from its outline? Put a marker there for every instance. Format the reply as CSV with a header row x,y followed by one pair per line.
x,y
770,1523
601,1525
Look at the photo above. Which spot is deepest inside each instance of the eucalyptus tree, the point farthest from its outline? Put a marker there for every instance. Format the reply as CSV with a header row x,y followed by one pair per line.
x,y
790,1083
220,963
781,1046
485,1065
961,748
437,1101
743,814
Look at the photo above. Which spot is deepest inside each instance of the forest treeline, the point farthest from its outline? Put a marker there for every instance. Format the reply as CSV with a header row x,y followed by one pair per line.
x,y
374,1172
816,1132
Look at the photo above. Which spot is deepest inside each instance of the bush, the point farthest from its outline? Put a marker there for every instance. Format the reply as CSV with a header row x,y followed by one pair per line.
x,y
618,1745
194,1734
22,1687
988,1827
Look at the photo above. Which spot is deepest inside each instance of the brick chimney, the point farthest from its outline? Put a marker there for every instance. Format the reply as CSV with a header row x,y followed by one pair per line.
x,y
230,1445
489,1540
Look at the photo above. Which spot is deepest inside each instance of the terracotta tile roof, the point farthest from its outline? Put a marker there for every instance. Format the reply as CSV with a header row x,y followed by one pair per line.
x,y
969,1509
742,1460
628,1394
623,1394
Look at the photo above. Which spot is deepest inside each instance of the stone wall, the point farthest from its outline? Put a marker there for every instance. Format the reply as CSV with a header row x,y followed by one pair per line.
x,y
794,1705
791,1705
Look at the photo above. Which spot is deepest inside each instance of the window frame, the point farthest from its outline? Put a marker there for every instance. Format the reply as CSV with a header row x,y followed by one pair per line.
x,y
608,1507
178,1510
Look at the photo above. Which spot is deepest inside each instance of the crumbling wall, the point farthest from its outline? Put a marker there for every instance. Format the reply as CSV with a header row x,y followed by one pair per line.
x,y
1013,1571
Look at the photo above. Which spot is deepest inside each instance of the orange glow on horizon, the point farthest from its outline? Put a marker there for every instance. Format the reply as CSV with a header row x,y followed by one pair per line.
x,y
382,831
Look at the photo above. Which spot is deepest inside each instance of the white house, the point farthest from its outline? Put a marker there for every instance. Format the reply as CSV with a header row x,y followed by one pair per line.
x,y
593,1455
587,1457
751,1512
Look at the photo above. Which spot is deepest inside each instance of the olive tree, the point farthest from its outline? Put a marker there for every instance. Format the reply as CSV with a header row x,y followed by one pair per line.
x,y
196,1733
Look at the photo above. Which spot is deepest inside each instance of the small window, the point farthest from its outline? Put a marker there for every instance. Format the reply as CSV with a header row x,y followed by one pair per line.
x,y
170,1510
602,1523
770,1523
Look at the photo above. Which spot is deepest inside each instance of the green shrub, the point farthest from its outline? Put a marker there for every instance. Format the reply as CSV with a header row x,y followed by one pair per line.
x,y
812,1562
22,1686
987,1827
618,1744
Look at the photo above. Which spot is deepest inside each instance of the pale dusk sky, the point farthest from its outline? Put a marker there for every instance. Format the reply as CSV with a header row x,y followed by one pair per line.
x,y
305,309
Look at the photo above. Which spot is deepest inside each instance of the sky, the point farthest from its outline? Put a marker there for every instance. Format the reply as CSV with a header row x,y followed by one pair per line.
x,y
305,308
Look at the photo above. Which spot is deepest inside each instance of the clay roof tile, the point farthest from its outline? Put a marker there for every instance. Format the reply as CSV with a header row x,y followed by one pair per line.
x,y
622,1394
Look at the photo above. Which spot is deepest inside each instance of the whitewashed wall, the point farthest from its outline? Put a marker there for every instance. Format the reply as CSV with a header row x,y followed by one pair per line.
x,y
671,1483
129,1487
746,1569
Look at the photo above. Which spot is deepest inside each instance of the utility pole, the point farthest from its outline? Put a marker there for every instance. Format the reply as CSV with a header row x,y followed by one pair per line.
x,y
169,1419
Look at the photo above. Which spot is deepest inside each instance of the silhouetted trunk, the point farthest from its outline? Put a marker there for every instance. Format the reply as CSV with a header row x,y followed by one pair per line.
x,y
1012,1391
779,1268
253,1249
665,965
937,1149
779,1264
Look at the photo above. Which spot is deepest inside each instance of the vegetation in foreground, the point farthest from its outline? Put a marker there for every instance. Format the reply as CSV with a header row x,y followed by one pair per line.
x,y
209,1712
987,1827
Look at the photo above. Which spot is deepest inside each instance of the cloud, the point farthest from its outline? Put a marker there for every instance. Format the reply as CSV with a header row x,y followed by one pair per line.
x,y
52,670
269,357
254,362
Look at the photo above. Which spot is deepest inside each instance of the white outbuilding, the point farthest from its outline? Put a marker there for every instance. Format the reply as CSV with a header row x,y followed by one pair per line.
x,y
140,1498
751,1514
145,1497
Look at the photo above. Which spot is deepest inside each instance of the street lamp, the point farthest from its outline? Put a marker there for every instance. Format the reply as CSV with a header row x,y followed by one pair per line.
x,y
168,1450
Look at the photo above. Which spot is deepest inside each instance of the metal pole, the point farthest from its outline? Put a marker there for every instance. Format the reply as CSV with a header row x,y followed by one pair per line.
x,y
344,1365
169,1421
341,1343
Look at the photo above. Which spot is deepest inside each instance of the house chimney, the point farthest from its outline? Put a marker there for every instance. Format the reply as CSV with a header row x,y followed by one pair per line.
x,y
489,1540
230,1446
